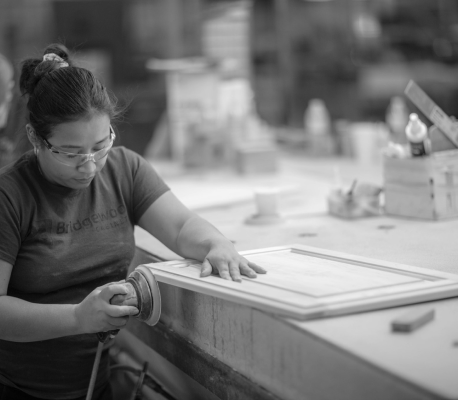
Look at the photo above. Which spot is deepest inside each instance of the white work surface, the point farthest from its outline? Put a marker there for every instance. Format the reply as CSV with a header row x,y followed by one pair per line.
x,y
349,357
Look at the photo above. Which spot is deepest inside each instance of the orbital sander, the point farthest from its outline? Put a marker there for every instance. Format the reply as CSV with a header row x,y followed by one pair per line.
x,y
143,293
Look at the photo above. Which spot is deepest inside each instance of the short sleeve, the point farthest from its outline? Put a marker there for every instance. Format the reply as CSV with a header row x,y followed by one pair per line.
x,y
10,236
148,186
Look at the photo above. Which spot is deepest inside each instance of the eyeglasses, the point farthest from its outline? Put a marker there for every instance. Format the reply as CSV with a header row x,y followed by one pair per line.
x,y
75,159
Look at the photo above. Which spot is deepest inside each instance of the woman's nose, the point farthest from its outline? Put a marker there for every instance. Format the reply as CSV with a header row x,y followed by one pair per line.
x,y
89,167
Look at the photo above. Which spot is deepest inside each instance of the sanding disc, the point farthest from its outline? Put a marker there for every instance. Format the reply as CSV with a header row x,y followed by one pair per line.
x,y
155,294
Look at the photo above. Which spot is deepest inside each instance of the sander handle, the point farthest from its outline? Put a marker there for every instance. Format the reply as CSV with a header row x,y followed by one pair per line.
x,y
129,299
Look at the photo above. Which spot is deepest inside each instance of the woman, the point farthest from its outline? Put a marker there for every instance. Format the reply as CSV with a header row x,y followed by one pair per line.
x,y
67,216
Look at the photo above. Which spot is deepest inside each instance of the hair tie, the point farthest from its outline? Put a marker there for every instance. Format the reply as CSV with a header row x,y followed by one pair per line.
x,y
55,57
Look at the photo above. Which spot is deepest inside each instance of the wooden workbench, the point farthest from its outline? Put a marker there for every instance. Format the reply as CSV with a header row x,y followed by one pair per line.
x,y
237,352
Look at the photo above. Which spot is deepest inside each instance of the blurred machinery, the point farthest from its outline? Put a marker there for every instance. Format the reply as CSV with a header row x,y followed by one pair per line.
x,y
354,55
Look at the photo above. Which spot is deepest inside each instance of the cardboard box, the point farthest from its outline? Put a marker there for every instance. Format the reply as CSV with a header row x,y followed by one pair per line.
x,y
422,187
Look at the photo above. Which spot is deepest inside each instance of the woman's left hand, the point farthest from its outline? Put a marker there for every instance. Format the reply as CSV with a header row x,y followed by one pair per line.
x,y
225,260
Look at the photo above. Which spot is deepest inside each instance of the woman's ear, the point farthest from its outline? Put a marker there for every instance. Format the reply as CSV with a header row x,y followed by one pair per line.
x,y
32,135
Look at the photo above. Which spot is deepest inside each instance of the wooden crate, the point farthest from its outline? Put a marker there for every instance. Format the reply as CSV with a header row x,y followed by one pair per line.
x,y
422,187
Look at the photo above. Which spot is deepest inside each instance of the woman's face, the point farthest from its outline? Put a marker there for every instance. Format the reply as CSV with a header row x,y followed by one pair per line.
x,y
83,136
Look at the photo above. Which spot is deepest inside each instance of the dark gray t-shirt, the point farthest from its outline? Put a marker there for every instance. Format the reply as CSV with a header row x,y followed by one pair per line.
x,y
63,243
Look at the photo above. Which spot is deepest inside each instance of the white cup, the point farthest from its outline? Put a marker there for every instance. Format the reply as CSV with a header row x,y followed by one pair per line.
x,y
266,201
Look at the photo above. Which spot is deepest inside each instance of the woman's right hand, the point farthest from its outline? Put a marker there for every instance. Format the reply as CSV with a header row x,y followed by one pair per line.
x,y
96,314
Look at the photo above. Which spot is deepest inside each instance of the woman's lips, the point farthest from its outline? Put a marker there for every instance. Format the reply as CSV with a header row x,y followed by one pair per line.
x,y
84,180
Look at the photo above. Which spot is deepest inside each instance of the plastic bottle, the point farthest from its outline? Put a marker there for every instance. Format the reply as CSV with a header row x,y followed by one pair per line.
x,y
397,117
318,129
317,121
417,135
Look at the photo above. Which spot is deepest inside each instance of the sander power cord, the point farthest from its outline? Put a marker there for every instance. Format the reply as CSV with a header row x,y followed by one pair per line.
x,y
143,292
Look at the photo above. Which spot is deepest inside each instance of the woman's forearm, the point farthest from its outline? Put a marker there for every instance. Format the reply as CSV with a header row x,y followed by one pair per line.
x,y
22,321
197,237
201,241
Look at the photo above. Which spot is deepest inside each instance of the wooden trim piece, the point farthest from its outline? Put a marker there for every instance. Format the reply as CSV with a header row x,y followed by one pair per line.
x,y
214,375
324,283
350,258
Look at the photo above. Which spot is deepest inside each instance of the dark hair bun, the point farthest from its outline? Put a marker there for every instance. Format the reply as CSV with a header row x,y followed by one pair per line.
x,y
34,69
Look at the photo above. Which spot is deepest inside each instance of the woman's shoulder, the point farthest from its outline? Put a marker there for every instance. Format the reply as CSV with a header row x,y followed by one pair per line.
x,y
121,156
130,164
120,152
120,149
17,167
14,176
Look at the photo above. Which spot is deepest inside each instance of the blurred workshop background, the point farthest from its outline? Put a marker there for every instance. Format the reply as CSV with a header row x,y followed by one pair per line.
x,y
218,82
